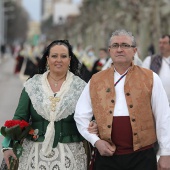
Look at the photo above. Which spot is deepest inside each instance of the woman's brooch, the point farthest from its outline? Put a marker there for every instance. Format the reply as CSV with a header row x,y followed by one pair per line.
x,y
54,100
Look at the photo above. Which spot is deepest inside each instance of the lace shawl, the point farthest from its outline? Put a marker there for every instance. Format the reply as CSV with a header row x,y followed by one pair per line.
x,y
39,91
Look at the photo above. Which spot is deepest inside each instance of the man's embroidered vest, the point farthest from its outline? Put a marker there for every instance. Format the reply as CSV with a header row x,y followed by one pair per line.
x,y
138,91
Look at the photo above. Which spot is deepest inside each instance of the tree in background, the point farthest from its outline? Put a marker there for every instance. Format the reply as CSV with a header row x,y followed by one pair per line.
x,y
148,20
16,23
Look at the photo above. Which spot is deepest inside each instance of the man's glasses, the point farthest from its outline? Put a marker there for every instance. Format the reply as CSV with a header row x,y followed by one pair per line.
x,y
123,46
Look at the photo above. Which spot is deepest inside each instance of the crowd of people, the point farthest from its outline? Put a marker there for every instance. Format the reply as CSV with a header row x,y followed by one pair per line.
x,y
27,58
114,102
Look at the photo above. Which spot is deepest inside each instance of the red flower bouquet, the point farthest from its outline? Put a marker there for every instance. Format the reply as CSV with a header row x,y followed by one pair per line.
x,y
11,123
16,131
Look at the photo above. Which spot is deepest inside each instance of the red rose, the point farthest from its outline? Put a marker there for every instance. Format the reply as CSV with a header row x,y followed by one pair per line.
x,y
11,123
23,124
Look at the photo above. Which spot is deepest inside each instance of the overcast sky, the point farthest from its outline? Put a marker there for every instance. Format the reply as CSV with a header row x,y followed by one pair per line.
x,y
34,8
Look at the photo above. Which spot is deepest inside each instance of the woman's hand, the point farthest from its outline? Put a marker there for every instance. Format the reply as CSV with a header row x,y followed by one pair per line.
x,y
93,128
7,154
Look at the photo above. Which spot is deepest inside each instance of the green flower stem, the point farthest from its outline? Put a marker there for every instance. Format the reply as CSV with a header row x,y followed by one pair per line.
x,y
13,164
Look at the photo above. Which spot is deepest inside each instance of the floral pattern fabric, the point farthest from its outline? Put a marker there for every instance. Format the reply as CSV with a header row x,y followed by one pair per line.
x,y
64,157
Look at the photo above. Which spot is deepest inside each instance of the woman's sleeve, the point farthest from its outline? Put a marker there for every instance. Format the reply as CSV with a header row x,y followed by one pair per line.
x,y
22,113
23,109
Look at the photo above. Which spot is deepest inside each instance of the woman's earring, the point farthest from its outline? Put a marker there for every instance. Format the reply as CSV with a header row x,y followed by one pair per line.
x,y
47,67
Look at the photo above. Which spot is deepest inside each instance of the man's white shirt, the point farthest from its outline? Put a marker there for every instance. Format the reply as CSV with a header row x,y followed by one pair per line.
x,y
160,107
164,73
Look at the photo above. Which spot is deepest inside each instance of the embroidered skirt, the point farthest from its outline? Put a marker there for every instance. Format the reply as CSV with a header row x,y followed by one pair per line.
x,y
70,156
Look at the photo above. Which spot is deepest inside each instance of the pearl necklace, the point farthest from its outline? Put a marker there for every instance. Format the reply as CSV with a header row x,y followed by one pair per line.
x,y
56,81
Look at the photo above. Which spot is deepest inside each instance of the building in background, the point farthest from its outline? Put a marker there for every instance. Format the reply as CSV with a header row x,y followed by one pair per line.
x,y
4,17
62,10
59,10
46,9
1,21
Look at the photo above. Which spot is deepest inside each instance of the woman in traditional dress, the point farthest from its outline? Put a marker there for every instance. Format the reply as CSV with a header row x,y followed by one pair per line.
x,y
48,100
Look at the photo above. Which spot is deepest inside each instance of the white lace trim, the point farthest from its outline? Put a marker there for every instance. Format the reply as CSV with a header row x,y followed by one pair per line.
x,y
64,157
39,92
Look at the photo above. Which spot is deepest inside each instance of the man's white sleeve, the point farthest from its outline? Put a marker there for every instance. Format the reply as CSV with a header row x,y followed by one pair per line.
x,y
83,115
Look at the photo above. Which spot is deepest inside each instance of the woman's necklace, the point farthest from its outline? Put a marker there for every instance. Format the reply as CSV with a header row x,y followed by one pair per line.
x,y
56,81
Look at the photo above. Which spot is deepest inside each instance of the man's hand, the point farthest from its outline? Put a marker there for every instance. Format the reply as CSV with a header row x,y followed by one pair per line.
x,y
7,154
164,163
93,128
105,148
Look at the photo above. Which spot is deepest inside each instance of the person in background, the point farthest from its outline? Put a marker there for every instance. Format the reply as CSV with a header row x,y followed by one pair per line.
x,y
18,60
160,63
103,57
49,99
78,51
131,110
151,49
87,61
89,58
3,50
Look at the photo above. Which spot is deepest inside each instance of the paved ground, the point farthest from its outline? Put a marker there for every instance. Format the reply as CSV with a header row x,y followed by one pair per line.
x,y
10,89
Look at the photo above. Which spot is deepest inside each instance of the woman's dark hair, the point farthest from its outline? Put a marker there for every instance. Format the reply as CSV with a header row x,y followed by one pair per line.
x,y
75,65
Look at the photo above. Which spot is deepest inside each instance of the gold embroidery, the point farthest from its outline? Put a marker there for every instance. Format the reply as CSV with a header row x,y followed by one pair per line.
x,y
53,100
